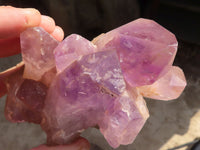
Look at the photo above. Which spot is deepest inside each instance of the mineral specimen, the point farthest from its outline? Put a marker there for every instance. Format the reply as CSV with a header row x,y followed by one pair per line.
x,y
69,86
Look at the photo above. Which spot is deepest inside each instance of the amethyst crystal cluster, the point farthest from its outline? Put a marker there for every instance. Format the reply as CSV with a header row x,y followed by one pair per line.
x,y
69,86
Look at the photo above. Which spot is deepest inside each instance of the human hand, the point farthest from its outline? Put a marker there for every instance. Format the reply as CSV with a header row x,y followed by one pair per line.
x,y
16,20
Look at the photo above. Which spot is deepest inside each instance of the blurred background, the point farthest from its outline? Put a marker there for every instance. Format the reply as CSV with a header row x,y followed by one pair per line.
x,y
171,123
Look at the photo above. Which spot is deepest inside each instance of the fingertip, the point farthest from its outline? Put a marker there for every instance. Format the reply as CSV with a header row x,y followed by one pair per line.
x,y
58,33
47,23
32,17
15,20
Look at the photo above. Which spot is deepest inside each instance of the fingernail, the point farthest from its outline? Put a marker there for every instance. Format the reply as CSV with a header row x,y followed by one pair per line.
x,y
32,16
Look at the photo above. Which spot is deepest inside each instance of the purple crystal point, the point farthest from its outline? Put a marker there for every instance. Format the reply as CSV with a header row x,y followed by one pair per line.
x,y
123,121
168,87
37,52
70,49
143,50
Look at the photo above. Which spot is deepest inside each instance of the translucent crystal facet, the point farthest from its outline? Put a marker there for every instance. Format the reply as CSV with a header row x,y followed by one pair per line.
x,y
37,52
168,87
145,49
70,49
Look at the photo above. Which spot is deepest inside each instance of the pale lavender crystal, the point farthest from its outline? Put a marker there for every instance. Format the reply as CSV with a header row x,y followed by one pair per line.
x,y
124,119
37,52
104,68
168,87
70,49
88,91
145,49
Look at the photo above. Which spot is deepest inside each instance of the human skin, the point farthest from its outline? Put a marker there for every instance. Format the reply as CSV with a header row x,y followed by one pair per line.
x,y
16,20
13,22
